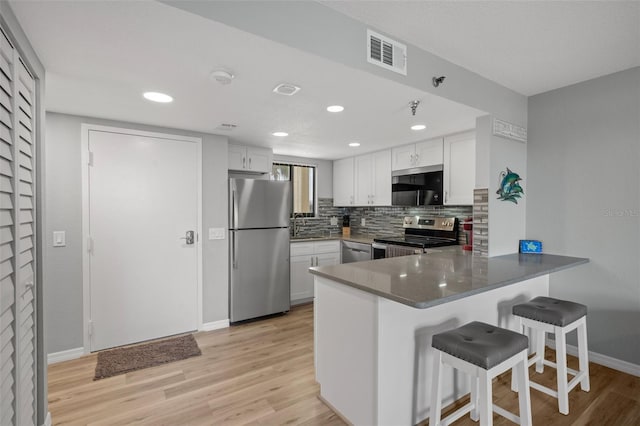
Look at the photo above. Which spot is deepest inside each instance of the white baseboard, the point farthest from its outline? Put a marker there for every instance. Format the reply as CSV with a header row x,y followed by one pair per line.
x,y
65,355
607,361
214,325
47,420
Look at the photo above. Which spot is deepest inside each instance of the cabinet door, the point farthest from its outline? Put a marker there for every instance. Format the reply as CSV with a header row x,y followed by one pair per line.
x,y
459,169
237,157
364,185
402,157
301,279
343,182
259,160
381,178
429,152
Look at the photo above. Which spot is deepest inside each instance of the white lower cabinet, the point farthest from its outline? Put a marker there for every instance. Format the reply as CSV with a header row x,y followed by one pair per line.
x,y
304,255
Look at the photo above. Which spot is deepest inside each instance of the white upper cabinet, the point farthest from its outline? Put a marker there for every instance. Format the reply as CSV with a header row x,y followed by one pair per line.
x,y
250,159
381,178
343,174
364,184
421,154
459,168
363,181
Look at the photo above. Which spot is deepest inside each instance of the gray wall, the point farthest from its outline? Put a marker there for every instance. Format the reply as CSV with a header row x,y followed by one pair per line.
x,y
63,265
584,200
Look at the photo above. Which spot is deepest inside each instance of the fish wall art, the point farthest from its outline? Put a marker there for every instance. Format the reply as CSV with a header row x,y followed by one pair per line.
x,y
509,189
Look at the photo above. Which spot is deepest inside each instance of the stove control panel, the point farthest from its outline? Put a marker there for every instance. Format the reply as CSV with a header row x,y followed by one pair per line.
x,y
429,222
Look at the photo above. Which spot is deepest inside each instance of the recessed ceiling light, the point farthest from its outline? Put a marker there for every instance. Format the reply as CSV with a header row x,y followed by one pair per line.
x,y
335,108
280,134
157,97
354,144
418,127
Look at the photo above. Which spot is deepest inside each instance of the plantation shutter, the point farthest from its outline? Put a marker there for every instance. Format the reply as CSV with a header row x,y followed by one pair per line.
x,y
17,240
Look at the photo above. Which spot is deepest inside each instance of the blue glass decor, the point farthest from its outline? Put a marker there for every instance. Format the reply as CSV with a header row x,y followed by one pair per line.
x,y
510,189
530,246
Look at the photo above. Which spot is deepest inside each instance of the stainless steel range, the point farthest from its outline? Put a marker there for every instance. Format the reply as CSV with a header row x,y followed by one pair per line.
x,y
420,234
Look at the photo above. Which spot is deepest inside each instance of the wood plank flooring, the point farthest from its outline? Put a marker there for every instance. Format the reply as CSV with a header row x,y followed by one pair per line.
x,y
262,373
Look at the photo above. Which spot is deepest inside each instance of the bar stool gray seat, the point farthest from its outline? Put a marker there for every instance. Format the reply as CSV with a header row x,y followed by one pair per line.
x,y
482,351
548,315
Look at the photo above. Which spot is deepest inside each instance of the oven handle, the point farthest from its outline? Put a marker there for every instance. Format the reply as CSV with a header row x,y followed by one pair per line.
x,y
379,246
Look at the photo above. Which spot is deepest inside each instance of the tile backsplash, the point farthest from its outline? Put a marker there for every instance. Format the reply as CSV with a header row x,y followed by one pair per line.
x,y
379,221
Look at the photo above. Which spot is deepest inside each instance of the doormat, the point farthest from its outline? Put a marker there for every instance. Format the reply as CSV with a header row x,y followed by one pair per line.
x,y
117,361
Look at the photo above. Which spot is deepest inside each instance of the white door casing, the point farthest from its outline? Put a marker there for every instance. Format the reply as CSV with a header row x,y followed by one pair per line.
x,y
141,281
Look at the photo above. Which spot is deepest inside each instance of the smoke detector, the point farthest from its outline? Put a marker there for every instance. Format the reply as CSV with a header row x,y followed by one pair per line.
x,y
286,89
222,76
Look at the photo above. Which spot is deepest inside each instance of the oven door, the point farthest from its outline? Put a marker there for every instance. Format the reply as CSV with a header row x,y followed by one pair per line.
x,y
379,251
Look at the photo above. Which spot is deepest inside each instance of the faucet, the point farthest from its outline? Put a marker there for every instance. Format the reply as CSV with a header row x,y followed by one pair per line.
x,y
296,227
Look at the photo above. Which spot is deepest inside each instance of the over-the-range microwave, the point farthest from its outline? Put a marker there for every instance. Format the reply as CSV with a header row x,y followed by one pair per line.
x,y
420,186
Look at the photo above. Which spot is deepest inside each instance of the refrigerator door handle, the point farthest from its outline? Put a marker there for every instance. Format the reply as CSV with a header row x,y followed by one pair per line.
x,y
234,262
233,209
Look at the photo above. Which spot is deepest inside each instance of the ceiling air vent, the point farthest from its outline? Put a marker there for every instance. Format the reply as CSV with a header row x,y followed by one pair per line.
x,y
386,53
226,127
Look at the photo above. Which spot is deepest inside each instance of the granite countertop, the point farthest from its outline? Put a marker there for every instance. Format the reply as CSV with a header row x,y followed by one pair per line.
x,y
431,279
358,238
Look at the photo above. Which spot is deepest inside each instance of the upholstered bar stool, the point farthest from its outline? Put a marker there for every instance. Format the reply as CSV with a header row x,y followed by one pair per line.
x,y
482,351
548,315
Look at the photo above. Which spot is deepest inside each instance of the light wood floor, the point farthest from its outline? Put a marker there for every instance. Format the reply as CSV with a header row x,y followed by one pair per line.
x,y
262,373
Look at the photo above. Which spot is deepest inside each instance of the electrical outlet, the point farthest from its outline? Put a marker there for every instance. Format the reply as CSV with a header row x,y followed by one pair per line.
x,y
363,222
333,221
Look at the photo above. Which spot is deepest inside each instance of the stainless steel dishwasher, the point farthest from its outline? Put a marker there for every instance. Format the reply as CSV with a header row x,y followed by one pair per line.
x,y
355,252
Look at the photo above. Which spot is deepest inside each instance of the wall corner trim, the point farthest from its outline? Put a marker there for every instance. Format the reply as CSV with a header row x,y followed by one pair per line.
x,y
67,355
607,361
214,325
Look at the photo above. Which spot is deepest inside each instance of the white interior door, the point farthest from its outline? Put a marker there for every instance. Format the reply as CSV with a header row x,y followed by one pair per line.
x,y
143,198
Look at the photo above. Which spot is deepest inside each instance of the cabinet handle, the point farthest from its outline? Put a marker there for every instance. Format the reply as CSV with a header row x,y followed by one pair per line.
x,y
311,261
411,159
417,158
249,162
316,260
244,162
445,196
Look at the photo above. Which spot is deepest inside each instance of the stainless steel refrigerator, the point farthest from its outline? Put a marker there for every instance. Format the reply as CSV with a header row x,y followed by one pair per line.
x,y
259,248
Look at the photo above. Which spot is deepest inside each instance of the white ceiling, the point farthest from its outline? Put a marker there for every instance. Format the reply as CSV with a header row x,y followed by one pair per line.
x,y
528,46
101,55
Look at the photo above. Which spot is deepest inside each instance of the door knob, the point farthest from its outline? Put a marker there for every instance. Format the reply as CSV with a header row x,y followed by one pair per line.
x,y
189,237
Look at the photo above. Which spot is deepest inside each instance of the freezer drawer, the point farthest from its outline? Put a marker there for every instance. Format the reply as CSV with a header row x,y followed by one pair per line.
x,y
259,273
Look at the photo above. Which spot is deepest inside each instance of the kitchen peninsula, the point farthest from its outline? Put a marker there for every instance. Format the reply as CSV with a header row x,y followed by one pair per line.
x,y
374,321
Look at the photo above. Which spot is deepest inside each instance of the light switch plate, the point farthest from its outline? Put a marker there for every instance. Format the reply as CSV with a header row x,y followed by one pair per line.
x,y
59,238
363,222
216,233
